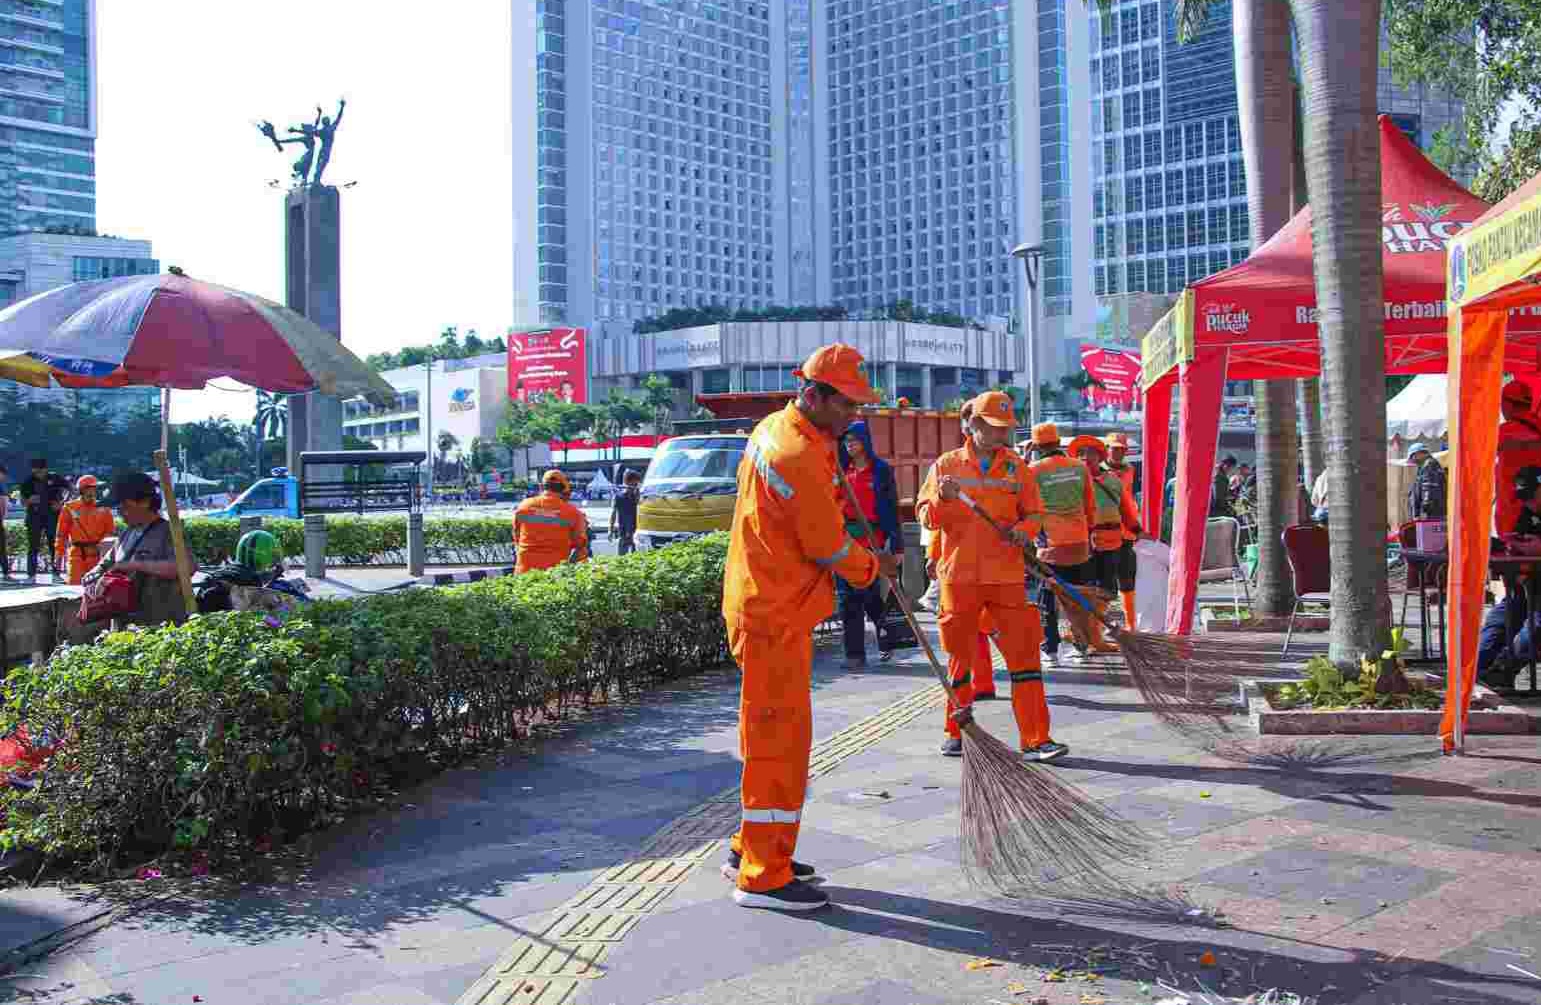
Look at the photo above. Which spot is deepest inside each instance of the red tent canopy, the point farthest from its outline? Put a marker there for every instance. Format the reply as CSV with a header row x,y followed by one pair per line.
x,y
1257,320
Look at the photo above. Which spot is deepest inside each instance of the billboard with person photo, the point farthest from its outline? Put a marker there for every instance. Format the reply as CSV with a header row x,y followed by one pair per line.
x,y
549,361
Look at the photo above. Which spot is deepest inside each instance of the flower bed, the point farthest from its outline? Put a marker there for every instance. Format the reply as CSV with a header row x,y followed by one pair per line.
x,y
236,727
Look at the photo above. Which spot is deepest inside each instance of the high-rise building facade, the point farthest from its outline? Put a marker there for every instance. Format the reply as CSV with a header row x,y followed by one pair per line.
x,y
47,115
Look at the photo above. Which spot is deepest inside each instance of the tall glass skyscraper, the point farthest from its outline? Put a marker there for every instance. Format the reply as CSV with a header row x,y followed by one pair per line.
x,y
47,115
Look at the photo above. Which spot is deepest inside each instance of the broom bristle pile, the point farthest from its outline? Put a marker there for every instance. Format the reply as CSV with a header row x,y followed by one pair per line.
x,y
1022,828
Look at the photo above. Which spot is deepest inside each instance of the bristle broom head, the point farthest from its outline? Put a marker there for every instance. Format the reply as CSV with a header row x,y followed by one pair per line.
x,y
1023,829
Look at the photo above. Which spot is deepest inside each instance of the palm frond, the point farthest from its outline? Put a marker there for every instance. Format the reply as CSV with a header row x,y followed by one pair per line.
x,y
1191,15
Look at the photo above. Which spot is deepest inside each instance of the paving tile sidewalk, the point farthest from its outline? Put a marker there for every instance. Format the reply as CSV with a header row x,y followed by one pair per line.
x,y
1368,871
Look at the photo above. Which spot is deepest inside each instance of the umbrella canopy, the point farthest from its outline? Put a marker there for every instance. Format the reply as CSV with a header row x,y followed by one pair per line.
x,y
170,331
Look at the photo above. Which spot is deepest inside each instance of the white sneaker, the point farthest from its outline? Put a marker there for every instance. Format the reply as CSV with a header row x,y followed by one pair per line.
x,y
1049,659
795,896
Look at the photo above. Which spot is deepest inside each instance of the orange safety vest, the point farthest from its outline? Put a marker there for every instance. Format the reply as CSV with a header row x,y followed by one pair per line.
x,y
971,552
1116,518
79,536
1066,488
788,537
547,531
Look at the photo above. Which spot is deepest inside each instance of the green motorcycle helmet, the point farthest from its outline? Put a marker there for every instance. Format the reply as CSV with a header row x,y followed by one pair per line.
x,y
257,551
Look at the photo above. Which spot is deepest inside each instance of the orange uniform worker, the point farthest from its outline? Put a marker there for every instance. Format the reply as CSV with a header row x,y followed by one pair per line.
x,y
549,530
82,526
788,542
1118,450
1115,522
1065,486
983,575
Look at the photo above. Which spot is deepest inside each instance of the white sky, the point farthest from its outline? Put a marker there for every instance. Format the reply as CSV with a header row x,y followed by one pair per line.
x,y
427,232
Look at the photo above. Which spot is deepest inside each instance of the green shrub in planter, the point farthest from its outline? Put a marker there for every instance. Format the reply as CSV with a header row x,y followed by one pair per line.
x,y
234,726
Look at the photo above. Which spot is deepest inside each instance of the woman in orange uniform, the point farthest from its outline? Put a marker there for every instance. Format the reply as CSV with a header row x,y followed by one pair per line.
x,y
1114,517
549,530
82,527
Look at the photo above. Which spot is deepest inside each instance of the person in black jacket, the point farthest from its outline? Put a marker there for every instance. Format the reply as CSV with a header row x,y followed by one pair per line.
x,y
1426,497
43,494
877,495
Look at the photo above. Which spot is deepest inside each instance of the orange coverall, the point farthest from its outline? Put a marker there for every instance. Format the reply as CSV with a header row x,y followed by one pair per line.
x,y
547,530
984,669
983,576
788,541
80,533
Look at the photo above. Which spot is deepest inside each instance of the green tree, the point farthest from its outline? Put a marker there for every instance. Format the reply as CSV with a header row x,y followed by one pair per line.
x,y
1338,42
1488,53
269,422
481,459
561,420
658,396
446,442
514,433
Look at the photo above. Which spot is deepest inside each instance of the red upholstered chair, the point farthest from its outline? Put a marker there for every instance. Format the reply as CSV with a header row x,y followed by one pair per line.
x,y
1307,548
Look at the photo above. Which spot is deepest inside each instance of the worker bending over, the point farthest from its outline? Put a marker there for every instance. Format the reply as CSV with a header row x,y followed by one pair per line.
x,y
982,575
549,530
788,543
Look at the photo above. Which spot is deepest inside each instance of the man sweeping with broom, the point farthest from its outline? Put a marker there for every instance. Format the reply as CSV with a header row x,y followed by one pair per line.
x,y
981,575
788,541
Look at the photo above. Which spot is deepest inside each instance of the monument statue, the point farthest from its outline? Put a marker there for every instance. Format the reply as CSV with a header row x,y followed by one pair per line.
x,y
308,135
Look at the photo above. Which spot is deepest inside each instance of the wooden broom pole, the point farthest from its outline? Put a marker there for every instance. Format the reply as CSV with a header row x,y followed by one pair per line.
x,y
178,541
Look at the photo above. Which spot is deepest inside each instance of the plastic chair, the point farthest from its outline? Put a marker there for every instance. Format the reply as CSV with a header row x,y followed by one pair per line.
x,y
1222,561
1308,550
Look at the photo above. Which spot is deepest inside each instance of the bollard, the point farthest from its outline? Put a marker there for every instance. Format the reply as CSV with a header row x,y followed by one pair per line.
x,y
913,573
315,546
415,547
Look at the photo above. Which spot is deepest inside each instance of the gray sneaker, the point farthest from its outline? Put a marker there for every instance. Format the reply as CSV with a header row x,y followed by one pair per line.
x,y
952,747
795,896
1047,751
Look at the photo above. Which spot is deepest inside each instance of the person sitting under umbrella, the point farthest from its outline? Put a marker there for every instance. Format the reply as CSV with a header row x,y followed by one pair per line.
x,y
145,552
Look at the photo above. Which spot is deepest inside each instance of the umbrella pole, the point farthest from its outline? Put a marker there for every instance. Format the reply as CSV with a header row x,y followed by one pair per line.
x,y
178,541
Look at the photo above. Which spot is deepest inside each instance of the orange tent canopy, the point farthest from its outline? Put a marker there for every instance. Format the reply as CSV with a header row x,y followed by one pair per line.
x,y
1491,274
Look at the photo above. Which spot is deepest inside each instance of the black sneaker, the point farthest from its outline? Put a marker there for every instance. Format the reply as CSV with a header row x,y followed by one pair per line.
x,y
885,655
800,870
795,896
952,747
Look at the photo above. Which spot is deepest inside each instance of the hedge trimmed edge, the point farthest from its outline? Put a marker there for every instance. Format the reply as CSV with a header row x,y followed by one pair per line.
x,y
242,727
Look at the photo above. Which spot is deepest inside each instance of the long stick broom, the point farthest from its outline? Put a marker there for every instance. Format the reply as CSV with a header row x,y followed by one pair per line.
x,y
1019,826
1182,682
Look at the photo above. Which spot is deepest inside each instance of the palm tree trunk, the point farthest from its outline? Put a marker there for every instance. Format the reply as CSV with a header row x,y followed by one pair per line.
x,y
1260,29
1339,42
1309,400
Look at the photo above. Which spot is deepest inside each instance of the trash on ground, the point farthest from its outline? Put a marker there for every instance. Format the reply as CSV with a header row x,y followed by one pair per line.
x,y
1207,959
982,963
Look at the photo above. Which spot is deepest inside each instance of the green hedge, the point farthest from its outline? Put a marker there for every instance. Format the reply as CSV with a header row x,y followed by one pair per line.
x,y
235,727
350,540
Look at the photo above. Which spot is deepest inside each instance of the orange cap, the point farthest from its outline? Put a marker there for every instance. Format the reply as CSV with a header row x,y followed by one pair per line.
x,y
995,408
1084,441
86,482
839,366
1046,434
555,478
1116,440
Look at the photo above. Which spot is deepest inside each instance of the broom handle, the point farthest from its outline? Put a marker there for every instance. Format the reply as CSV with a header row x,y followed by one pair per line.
x,y
893,584
1035,567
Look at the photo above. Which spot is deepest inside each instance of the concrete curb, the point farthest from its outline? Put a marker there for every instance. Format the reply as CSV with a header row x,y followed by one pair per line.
x,y
471,576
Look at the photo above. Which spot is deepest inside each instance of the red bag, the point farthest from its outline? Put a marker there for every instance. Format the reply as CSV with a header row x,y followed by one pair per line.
x,y
109,595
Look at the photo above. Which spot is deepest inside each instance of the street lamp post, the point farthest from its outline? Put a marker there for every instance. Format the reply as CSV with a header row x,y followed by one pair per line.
x,y
1032,257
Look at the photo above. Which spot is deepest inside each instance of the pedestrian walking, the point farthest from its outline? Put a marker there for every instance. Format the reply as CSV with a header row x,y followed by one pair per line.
x,y
877,497
83,525
623,513
788,537
981,577
549,530
43,493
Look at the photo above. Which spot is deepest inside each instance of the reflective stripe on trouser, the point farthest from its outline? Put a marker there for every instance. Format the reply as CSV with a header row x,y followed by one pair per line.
x,y
1018,635
981,681
775,736
1029,707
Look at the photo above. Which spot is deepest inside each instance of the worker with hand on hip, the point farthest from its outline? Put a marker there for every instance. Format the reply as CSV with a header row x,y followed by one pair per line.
x,y
788,542
982,575
83,524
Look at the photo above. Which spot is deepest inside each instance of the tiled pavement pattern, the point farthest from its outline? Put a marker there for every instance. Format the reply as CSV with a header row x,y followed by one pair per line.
x,y
1368,871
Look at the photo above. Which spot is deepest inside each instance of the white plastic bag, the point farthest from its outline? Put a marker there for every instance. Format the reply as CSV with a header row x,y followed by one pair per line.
x,y
1152,561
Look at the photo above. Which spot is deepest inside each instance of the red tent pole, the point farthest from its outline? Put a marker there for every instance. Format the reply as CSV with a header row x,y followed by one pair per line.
x,y
1198,431
1155,440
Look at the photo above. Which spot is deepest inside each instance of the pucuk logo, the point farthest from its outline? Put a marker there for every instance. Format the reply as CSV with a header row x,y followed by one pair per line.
x,y
1226,318
462,399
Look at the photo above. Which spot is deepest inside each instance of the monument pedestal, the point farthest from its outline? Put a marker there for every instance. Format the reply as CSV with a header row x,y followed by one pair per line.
x,y
312,268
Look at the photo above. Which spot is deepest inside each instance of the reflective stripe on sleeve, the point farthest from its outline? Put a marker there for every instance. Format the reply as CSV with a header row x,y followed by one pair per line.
x,y
772,816
842,552
543,518
760,458
988,483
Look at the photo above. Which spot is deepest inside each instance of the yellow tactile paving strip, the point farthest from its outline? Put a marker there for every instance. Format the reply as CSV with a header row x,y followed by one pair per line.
x,y
547,967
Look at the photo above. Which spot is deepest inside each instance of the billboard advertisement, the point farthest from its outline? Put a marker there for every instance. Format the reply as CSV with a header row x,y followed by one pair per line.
x,y
549,361
1118,373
